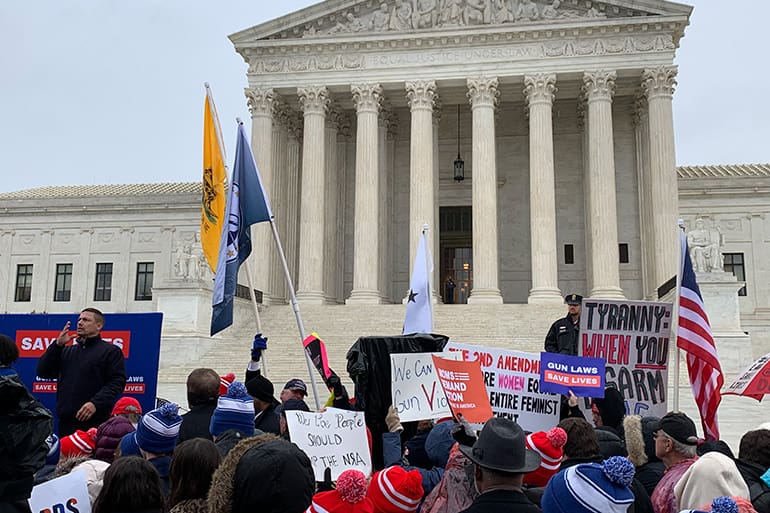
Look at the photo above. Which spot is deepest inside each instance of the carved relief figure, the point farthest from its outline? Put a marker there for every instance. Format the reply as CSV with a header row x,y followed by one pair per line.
x,y
401,16
551,11
527,11
425,13
503,11
452,12
380,19
593,12
349,24
477,12
181,260
704,246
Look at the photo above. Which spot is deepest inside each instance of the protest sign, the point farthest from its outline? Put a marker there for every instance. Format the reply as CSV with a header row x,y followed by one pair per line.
x,y
633,339
464,387
334,438
562,374
416,391
67,493
754,381
512,379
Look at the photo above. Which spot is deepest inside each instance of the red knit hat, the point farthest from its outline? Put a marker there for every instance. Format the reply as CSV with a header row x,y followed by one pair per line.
x,y
79,443
349,497
394,490
549,445
126,405
225,382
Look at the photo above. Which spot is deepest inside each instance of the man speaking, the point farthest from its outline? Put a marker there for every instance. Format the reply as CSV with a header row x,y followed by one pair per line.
x,y
91,374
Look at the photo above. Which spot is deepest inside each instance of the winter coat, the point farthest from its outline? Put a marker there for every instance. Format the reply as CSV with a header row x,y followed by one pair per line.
x,y
640,446
93,371
163,465
456,490
502,501
758,489
610,444
369,368
191,506
108,437
25,424
229,439
195,423
268,421
563,337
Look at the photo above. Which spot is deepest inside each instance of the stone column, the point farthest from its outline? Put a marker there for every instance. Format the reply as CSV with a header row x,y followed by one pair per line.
x,y
49,274
124,291
436,249
260,262
758,262
599,87
483,94
343,137
276,278
332,209
421,95
642,143
314,101
539,91
367,99
658,86
384,204
294,159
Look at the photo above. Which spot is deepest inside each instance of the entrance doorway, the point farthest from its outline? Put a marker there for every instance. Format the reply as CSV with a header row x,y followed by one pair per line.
x,y
456,243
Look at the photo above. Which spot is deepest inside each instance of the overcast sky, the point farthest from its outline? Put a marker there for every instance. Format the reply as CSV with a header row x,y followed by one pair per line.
x,y
105,91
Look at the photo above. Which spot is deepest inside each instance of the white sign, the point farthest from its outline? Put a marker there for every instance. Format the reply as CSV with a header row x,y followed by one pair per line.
x,y
66,493
334,439
633,338
512,379
416,392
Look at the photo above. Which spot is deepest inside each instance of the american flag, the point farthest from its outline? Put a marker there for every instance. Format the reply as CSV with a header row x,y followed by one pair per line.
x,y
695,338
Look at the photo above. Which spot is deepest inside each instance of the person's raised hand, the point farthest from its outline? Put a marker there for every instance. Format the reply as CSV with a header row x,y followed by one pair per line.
x,y
463,432
64,337
393,421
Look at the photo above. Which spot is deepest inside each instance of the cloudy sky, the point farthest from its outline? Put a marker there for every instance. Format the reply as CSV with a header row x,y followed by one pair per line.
x,y
101,91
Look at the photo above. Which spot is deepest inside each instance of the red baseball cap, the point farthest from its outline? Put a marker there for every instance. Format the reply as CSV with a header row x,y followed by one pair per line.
x,y
126,405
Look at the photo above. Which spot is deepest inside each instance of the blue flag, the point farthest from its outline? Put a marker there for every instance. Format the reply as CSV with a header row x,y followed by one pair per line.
x,y
247,204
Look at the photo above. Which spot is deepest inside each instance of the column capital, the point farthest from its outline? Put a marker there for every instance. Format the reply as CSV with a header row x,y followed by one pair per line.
x,y
421,94
599,84
540,88
313,99
483,92
367,97
260,100
659,82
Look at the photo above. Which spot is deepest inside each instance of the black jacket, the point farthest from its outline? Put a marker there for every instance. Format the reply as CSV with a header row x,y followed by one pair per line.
x,y
758,489
195,423
563,337
502,501
267,421
24,426
90,371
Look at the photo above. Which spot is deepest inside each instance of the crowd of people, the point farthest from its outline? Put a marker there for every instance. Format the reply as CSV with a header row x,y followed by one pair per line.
x,y
232,451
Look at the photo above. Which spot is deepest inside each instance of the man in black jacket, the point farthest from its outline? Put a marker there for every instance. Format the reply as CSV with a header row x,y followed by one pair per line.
x,y
753,461
202,395
91,374
563,335
501,459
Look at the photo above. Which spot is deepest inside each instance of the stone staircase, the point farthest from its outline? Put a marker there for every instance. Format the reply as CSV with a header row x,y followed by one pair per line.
x,y
511,326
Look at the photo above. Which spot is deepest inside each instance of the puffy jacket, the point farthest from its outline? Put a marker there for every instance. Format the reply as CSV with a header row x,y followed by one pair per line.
x,y
25,424
758,489
108,437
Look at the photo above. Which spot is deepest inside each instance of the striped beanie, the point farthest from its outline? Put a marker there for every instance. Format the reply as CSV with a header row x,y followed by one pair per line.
x,y
158,430
79,443
591,488
235,410
225,382
394,490
549,445
722,504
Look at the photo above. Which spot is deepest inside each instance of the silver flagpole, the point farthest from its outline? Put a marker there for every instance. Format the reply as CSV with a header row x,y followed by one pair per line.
x,y
678,353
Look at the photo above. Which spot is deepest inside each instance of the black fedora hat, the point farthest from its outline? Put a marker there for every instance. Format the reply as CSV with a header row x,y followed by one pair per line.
x,y
502,446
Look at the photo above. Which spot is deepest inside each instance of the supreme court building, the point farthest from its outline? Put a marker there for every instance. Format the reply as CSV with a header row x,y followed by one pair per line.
x,y
535,139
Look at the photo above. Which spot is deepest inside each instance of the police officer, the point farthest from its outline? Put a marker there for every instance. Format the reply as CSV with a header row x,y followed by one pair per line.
x,y
563,335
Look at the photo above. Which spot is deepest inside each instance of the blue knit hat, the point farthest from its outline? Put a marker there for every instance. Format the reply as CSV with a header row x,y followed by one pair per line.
x,y
52,442
128,445
158,430
235,410
722,504
591,487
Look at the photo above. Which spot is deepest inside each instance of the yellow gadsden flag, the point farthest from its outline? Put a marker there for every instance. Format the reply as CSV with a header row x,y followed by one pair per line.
x,y
214,177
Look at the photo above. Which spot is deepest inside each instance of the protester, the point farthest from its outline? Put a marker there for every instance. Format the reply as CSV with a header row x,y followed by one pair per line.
x,y
93,470
156,437
131,485
711,476
753,461
91,374
265,474
608,413
640,445
288,406
456,491
501,459
267,419
79,443
675,442
293,389
128,446
349,496
414,448
203,387
233,418
125,417
591,488
192,468
395,490
563,335
26,425
550,446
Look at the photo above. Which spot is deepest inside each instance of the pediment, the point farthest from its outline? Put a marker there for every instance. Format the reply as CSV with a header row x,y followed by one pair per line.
x,y
351,18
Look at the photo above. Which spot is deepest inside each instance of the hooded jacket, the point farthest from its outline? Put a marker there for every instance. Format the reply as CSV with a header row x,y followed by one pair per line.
x,y
640,445
456,491
758,489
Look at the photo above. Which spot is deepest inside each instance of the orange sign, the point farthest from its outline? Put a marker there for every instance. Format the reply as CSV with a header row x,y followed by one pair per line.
x,y
463,384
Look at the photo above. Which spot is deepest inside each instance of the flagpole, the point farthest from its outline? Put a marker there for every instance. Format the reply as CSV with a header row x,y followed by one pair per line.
x,y
429,268
678,352
253,296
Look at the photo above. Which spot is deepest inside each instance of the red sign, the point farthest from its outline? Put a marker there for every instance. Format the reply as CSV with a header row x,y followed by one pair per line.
x,y
463,384
33,343
45,387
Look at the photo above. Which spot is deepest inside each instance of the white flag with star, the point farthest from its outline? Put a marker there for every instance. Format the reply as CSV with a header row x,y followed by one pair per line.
x,y
419,312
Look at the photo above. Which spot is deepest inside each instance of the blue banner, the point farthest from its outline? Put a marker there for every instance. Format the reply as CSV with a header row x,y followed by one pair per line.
x,y
137,334
562,373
